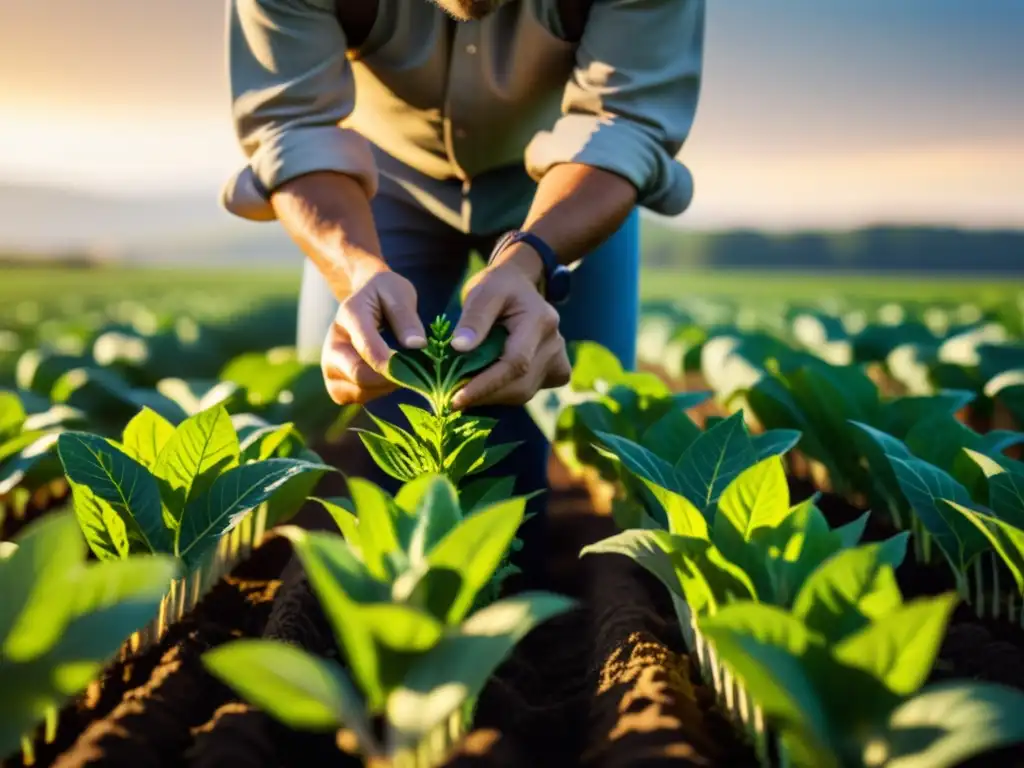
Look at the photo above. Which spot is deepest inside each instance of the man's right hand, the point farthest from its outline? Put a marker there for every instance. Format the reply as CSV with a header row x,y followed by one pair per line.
x,y
355,355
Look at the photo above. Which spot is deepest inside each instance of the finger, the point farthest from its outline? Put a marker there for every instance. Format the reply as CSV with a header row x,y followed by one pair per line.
x,y
546,366
400,312
341,362
560,370
480,311
361,322
346,393
515,363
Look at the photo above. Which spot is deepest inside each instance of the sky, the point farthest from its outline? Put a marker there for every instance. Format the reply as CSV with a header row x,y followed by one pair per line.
x,y
812,113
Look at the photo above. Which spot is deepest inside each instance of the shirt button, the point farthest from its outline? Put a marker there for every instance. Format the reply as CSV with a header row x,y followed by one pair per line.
x,y
460,133
471,49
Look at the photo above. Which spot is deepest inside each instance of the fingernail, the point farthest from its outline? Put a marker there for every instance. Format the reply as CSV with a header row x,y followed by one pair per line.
x,y
463,340
415,341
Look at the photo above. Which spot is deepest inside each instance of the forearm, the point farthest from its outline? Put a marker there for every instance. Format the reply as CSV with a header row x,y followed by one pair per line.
x,y
575,209
328,215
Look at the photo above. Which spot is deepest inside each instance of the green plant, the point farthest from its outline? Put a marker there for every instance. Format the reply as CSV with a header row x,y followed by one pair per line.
x,y
442,441
171,490
62,618
751,544
935,496
602,396
394,535
680,467
855,699
398,592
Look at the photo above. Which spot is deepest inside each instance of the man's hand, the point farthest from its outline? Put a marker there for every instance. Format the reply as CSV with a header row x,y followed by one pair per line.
x,y
355,355
535,357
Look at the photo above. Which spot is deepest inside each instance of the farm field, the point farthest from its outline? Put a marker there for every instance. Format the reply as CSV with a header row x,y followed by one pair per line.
x,y
794,537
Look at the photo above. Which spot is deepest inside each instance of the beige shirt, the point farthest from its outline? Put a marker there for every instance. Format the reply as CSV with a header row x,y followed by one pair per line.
x,y
464,117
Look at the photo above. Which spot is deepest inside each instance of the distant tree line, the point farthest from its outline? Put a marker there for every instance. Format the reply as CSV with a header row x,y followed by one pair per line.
x,y
876,249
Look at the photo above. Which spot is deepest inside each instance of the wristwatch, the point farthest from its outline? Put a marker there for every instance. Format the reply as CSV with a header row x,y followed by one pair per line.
x,y
555,283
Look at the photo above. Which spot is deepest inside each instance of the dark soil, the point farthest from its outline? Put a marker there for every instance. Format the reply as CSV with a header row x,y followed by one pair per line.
x,y
143,709
604,685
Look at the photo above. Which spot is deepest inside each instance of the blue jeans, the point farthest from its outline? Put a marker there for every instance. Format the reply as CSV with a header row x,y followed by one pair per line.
x,y
604,307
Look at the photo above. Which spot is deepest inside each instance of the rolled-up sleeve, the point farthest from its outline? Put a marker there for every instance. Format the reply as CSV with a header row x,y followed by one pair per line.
x,y
632,98
291,87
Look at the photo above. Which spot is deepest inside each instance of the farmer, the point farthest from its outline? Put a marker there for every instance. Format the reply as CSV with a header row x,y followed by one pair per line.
x,y
391,138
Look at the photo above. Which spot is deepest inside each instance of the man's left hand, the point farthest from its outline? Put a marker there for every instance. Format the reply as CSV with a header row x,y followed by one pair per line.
x,y
534,357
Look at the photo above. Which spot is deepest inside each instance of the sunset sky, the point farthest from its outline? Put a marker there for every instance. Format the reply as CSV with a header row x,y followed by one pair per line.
x,y
813,112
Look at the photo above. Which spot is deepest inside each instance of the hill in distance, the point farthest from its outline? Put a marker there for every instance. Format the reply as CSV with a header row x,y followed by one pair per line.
x,y
192,229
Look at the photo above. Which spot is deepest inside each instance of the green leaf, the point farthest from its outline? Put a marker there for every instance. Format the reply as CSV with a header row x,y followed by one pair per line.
x,y
641,462
946,724
891,446
125,485
708,580
925,487
36,581
460,665
764,646
145,437
670,436
437,514
757,498
484,491
390,457
231,496
851,533
793,549
713,461
592,364
775,442
847,592
378,537
270,441
1006,538
343,512
202,448
661,478
106,602
12,415
341,583
299,689
111,600
899,647
472,552
648,549
105,531
898,416
492,456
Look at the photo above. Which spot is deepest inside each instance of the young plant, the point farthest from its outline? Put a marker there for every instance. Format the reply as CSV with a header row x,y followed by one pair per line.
x,y
62,618
679,467
751,544
442,441
602,396
822,400
185,491
398,592
929,492
396,537
854,699
1001,521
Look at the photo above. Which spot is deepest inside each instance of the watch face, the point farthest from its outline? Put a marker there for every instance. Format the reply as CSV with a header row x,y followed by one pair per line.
x,y
558,285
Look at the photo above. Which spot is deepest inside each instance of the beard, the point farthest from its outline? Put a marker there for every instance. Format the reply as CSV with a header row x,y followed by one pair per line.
x,y
468,10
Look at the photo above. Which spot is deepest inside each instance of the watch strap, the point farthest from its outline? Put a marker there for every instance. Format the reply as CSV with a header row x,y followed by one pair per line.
x,y
552,268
